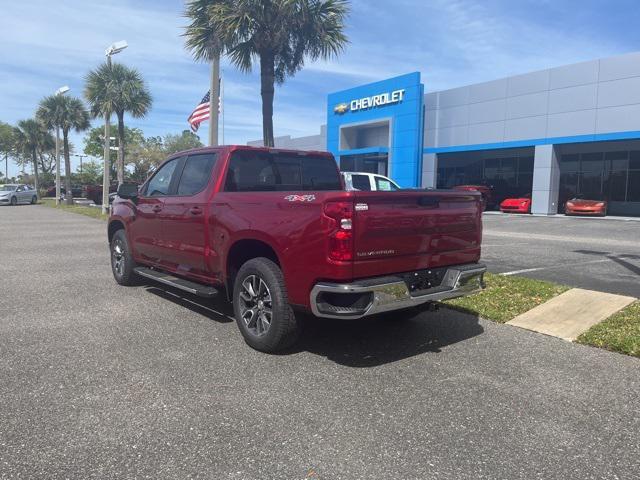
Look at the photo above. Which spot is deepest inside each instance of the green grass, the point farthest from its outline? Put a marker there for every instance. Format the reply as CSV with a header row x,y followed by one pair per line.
x,y
506,297
95,212
619,333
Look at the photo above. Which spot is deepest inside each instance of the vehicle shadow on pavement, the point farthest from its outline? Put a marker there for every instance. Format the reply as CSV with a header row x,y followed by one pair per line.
x,y
384,339
617,258
219,311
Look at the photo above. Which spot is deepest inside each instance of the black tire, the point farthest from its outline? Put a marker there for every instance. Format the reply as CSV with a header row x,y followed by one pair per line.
x,y
122,263
14,201
283,329
34,200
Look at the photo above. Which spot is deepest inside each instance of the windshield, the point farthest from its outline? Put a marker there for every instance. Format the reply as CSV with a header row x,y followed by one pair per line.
x,y
7,188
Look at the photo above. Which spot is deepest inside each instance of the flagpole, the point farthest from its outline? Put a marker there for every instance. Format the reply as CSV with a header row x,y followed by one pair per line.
x,y
214,98
222,102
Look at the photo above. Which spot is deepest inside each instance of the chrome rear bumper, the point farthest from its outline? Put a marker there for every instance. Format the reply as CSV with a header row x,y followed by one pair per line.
x,y
384,294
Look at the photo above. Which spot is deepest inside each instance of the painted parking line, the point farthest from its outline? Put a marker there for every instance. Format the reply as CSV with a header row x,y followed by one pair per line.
x,y
551,267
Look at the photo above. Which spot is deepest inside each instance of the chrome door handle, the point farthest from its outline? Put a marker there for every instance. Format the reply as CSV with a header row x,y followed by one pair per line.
x,y
195,210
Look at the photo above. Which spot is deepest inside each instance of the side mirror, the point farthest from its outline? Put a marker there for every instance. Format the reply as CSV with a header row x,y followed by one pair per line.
x,y
128,191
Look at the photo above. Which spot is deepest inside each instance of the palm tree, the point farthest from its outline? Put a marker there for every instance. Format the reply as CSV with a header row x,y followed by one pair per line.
x,y
281,34
205,45
31,138
119,89
66,113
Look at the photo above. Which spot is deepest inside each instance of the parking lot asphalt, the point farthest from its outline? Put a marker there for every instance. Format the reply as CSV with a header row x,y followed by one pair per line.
x,y
592,253
103,381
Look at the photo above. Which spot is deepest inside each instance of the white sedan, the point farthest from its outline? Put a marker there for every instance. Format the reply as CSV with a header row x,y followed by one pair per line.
x,y
13,194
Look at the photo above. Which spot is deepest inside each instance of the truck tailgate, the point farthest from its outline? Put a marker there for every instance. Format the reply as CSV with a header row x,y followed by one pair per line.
x,y
412,230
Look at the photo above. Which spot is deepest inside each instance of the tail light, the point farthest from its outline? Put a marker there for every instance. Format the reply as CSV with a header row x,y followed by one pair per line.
x,y
341,230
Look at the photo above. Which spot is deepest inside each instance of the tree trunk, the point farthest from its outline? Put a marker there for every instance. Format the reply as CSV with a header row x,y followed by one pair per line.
x,y
267,80
120,148
36,180
67,167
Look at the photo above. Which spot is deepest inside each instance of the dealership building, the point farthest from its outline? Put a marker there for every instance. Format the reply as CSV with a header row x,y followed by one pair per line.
x,y
555,134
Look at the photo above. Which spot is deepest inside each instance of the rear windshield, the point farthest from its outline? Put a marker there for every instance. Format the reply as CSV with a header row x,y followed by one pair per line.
x,y
256,171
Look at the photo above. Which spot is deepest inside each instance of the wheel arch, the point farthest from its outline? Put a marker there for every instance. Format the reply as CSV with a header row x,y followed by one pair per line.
x,y
243,250
114,226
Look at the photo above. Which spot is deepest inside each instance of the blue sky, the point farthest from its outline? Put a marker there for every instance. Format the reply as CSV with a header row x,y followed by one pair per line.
x,y
47,44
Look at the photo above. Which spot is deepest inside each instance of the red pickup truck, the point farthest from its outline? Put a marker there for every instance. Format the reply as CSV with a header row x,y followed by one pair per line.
x,y
277,233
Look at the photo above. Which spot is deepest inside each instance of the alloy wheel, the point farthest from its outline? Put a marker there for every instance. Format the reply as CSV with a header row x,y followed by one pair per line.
x,y
117,257
256,305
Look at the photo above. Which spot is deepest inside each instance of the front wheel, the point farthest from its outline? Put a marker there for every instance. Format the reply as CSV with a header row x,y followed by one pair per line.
x,y
14,201
261,306
122,263
34,200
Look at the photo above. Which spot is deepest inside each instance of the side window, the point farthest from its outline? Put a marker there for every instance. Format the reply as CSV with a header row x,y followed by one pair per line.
x,y
384,185
250,172
262,172
161,182
256,171
196,173
361,182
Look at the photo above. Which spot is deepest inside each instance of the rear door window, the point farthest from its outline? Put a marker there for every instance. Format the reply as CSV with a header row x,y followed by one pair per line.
x,y
196,173
361,182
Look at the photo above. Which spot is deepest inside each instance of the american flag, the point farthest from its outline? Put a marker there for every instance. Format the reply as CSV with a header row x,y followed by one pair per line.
x,y
201,112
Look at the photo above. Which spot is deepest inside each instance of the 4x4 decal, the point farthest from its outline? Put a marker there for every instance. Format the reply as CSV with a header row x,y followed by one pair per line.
x,y
300,198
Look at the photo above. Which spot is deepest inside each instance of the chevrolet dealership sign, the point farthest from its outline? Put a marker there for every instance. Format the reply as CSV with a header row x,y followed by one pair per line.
x,y
365,103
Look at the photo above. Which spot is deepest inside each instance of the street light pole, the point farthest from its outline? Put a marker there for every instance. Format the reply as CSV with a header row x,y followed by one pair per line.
x,y
112,50
60,91
81,157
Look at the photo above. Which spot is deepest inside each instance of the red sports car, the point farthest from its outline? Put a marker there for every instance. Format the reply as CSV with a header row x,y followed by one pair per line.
x,y
581,206
516,205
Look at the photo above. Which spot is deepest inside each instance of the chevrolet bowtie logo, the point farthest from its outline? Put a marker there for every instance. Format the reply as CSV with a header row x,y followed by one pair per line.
x,y
341,108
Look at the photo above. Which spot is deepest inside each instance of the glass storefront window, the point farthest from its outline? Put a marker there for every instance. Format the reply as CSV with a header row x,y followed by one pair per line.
x,y
592,162
570,163
633,186
616,160
616,186
591,185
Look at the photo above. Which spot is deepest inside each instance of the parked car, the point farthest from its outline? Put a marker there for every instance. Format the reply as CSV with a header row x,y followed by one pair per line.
x,y
14,194
94,192
516,205
582,206
485,190
368,182
275,232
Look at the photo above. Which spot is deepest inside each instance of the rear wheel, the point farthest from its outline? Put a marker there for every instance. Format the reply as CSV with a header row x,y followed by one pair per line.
x,y
34,200
261,306
122,263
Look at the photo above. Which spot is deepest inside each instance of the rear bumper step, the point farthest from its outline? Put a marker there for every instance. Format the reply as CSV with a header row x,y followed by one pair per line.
x,y
384,294
186,285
